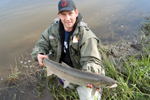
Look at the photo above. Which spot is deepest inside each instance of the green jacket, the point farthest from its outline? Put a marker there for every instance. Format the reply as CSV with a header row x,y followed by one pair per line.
x,y
83,47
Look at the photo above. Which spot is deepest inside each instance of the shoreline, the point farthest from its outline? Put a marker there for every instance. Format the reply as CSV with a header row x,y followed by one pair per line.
x,y
119,60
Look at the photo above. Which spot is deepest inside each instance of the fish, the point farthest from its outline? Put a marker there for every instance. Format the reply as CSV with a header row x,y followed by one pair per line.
x,y
79,77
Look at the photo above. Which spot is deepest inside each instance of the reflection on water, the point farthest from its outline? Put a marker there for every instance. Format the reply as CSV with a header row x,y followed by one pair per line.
x,y
23,21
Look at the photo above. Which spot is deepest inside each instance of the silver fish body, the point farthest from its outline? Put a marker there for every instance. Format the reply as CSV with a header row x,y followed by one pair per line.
x,y
79,77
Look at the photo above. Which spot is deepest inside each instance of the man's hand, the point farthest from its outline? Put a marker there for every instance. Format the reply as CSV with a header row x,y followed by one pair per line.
x,y
90,85
40,58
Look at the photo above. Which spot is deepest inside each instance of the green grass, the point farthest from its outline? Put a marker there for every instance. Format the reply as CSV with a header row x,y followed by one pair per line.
x,y
133,82
14,75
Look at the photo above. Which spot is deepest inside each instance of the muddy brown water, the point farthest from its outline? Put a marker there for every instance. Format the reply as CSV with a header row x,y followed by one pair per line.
x,y
23,21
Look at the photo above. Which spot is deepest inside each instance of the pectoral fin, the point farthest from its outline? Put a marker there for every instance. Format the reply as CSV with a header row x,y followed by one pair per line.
x,y
93,91
49,73
66,83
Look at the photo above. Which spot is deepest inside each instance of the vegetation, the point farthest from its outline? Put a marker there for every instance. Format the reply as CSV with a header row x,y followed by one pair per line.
x,y
134,77
133,84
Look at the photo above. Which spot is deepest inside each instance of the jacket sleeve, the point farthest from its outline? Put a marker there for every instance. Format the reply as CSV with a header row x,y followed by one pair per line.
x,y
42,46
90,56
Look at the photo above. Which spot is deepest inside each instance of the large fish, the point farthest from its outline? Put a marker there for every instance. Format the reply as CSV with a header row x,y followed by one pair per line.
x,y
79,77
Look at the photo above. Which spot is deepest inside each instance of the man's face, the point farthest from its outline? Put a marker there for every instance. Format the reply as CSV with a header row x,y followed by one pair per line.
x,y
68,19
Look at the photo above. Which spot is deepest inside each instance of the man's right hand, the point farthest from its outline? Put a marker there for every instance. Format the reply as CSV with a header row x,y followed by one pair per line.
x,y
40,58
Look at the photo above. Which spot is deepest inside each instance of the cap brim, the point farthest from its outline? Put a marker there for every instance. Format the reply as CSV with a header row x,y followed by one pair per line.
x,y
66,8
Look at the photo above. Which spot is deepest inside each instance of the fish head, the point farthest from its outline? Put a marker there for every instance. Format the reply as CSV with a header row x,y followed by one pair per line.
x,y
112,86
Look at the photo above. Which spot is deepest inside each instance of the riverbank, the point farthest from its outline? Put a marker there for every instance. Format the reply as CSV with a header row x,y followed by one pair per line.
x,y
125,61
128,63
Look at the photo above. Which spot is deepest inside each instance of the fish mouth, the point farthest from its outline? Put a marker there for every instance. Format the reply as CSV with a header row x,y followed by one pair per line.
x,y
112,86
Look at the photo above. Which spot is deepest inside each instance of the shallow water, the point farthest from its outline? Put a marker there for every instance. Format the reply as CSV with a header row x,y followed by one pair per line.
x,y
23,21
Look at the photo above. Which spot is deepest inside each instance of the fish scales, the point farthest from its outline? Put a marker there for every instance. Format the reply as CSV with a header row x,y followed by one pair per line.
x,y
77,76
62,72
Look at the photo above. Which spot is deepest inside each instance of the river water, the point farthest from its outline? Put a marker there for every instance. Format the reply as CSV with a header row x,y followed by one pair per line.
x,y
23,21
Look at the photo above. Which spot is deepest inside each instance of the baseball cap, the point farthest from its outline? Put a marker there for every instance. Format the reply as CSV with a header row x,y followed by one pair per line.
x,y
66,5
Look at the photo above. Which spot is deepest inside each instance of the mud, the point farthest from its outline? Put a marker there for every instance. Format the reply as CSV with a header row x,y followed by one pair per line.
x,y
30,85
123,50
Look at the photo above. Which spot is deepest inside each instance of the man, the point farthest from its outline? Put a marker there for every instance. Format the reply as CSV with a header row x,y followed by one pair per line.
x,y
69,40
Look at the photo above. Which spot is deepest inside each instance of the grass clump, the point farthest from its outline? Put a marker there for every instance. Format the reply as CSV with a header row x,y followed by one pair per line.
x,y
133,79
